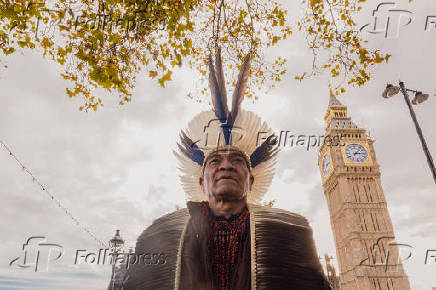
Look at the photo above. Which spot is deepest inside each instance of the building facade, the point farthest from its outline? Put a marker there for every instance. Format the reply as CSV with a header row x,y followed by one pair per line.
x,y
366,251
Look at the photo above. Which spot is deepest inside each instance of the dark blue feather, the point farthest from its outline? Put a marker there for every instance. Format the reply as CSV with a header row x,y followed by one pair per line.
x,y
218,102
190,149
241,85
219,98
265,151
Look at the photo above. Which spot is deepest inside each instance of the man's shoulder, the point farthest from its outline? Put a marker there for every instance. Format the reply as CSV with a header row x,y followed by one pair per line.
x,y
173,220
175,215
271,213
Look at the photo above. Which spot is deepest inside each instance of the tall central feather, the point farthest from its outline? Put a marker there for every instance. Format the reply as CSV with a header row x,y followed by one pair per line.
x,y
218,94
219,74
219,104
238,93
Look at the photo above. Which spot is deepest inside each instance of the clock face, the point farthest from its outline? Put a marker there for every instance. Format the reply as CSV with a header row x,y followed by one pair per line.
x,y
326,164
356,153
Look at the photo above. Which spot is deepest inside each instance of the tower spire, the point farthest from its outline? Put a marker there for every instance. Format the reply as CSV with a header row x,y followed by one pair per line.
x,y
335,110
333,101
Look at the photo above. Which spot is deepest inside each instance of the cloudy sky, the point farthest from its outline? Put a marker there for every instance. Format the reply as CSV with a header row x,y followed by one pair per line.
x,y
114,169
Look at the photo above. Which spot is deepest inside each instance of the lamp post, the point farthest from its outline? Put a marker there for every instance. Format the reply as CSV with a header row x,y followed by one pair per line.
x,y
115,243
419,98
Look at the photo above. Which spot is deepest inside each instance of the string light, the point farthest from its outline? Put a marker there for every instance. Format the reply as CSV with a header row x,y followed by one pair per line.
x,y
44,188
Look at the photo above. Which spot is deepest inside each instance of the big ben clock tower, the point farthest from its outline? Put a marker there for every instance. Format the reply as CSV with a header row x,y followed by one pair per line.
x,y
366,251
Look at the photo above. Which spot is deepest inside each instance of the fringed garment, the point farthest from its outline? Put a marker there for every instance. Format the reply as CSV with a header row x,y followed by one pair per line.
x,y
226,240
278,253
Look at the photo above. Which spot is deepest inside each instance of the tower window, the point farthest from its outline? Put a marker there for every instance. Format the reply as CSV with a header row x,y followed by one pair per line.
x,y
364,220
366,193
373,283
382,252
376,221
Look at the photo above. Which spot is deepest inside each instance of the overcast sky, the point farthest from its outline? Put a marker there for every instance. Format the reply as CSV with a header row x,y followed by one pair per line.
x,y
114,169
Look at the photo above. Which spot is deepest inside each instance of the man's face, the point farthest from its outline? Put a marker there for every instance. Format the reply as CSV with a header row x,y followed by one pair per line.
x,y
226,176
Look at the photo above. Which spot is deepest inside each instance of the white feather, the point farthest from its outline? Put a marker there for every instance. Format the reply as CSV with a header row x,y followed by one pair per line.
x,y
204,131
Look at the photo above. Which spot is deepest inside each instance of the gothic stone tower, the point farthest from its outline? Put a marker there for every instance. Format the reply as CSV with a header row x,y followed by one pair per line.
x,y
367,253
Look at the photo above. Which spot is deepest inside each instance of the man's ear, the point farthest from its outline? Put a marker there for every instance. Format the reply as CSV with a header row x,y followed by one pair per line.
x,y
251,180
200,181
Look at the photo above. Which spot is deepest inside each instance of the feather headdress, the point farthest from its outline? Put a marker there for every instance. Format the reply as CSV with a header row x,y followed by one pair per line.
x,y
220,128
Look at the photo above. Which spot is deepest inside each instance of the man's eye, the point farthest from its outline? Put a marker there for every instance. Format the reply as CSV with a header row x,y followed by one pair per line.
x,y
214,160
238,160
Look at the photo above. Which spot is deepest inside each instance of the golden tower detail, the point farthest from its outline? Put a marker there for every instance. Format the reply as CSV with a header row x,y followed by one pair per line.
x,y
366,251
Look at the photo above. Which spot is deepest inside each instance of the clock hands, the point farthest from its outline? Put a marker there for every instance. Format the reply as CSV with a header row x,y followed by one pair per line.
x,y
356,153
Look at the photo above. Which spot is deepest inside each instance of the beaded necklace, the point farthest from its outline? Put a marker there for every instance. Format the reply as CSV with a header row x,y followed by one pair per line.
x,y
225,241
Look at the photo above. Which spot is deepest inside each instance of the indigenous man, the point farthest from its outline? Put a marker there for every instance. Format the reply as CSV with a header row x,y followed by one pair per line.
x,y
224,239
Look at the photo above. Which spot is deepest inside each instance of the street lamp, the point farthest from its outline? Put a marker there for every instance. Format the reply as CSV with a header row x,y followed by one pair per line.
x,y
419,98
115,243
390,91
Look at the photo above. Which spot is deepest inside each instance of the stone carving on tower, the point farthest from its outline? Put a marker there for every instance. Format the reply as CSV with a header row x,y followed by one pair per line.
x,y
366,251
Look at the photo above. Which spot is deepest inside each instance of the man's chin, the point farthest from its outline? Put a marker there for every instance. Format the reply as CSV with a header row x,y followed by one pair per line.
x,y
228,195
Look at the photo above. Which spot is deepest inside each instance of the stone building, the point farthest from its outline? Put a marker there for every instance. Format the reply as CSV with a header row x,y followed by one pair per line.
x,y
366,251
